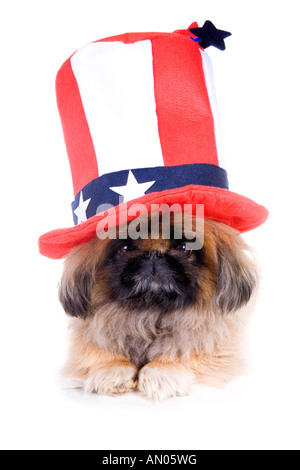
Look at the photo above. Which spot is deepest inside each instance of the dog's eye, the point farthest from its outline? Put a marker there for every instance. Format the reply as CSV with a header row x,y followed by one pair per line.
x,y
125,249
183,249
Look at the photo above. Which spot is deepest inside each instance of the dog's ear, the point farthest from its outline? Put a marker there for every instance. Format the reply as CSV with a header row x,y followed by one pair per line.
x,y
237,276
75,292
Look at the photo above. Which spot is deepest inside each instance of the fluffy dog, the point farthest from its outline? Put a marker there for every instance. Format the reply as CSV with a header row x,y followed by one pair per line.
x,y
153,315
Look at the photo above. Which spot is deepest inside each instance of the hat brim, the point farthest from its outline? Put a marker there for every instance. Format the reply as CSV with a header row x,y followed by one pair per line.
x,y
222,205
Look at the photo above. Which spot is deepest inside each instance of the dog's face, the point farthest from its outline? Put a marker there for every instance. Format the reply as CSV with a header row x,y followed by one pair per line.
x,y
159,275
152,274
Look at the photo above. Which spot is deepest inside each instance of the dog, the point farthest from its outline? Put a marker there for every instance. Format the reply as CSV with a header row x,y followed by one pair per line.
x,y
154,315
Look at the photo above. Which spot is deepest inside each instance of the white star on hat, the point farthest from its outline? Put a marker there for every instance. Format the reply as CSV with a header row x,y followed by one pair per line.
x,y
132,189
81,209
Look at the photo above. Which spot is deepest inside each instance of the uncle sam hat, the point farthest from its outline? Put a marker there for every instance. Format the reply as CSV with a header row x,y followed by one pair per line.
x,y
139,118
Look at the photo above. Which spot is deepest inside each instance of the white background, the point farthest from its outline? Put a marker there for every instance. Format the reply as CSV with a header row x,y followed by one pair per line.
x,y
257,82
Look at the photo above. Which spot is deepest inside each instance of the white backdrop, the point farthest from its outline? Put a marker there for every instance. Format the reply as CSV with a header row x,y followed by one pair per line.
x,y
257,82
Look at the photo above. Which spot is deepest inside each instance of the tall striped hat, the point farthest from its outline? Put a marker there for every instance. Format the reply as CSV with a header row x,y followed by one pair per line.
x,y
139,118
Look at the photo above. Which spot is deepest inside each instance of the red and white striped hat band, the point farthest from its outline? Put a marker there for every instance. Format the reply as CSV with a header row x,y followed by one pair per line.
x,y
139,117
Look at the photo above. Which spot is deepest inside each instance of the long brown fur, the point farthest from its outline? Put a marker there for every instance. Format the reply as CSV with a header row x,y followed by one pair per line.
x,y
114,350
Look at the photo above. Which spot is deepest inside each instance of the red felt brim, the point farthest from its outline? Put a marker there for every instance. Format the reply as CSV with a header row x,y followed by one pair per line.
x,y
221,205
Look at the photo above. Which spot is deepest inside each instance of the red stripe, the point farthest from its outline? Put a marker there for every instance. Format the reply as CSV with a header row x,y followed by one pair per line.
x,y
80,148
185,120
130,38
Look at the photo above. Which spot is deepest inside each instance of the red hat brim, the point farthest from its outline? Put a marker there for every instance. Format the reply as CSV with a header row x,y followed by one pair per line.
x,y
222,205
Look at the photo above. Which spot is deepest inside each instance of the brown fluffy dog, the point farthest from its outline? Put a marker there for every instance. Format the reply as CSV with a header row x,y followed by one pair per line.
x,y
154,316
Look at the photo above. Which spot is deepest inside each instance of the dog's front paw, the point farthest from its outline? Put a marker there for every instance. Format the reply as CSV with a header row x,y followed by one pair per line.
x,y
159,382
112,380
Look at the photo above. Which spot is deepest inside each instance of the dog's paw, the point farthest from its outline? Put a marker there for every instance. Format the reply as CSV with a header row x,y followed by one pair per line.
x,y
163,381
112,380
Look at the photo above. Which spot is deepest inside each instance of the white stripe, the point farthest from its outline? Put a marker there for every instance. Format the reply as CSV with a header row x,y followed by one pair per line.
x,y
209,79
116,85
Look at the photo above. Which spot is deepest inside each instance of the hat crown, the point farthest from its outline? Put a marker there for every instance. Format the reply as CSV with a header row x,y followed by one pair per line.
x,y
138,100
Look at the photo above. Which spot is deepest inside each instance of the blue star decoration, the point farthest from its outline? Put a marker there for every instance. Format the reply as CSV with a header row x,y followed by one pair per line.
x,y
209,35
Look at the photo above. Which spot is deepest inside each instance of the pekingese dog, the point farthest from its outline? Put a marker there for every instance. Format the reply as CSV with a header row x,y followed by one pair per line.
x,y
153,315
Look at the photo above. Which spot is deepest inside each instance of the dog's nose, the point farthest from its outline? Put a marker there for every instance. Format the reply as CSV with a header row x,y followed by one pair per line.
x,y
153,262
153,255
